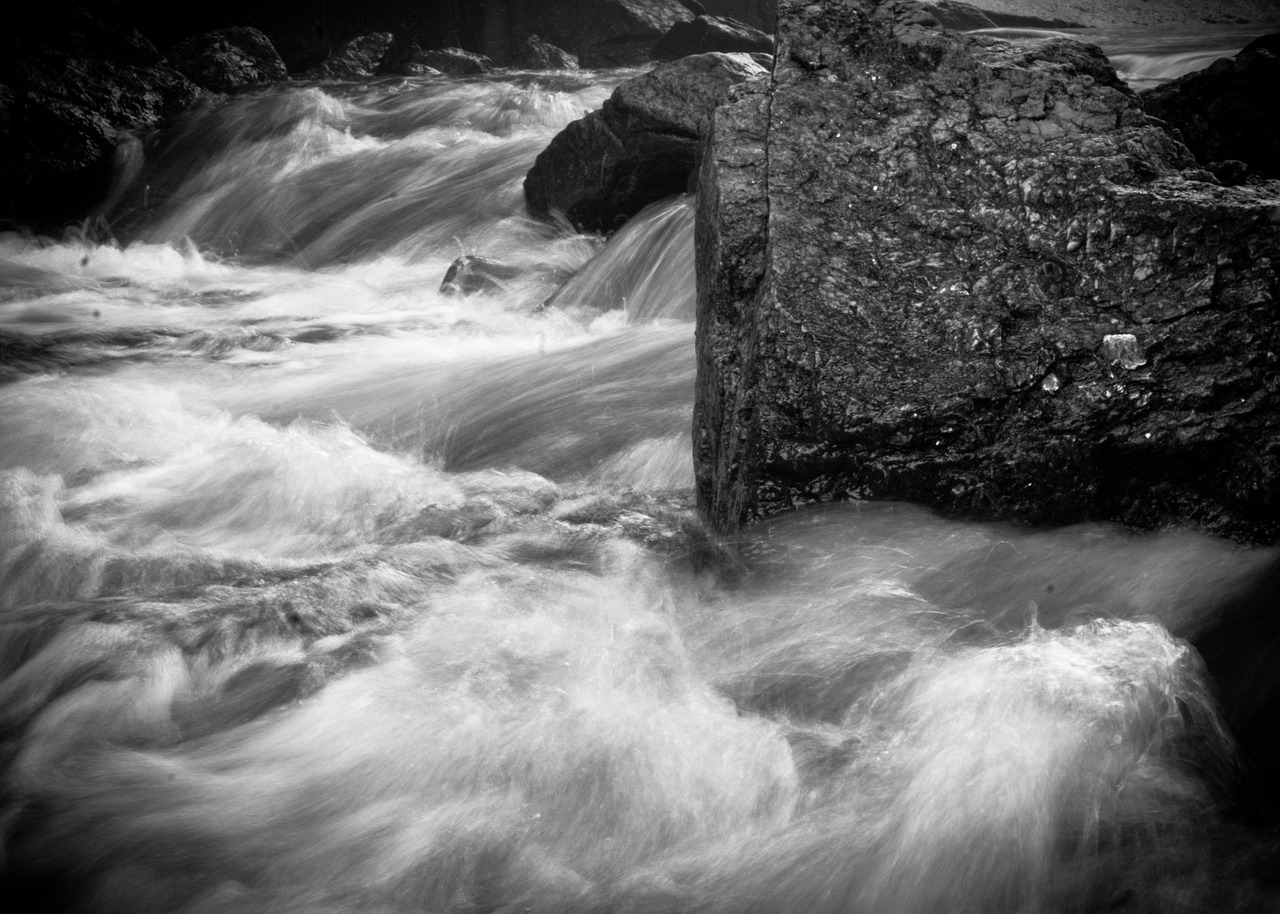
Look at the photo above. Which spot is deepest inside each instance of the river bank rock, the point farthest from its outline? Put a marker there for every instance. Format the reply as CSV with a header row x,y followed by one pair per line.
x,y
359,58
1228,112
536,54
711,33
70,86
227,59
973,274
454,61
640,147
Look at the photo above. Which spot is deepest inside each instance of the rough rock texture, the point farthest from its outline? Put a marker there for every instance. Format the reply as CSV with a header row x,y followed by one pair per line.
x,y
230,58
454,61
711,33
69,85
359,58
639,148
537,54
1229,111
973,274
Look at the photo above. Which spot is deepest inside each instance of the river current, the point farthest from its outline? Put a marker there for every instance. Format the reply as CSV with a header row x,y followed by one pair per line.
x,y
322,590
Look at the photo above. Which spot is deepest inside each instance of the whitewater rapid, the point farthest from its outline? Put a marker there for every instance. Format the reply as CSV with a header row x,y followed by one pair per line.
x,y
323,590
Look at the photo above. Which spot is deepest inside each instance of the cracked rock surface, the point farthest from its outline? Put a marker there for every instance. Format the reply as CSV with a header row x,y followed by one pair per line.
x,y
973,274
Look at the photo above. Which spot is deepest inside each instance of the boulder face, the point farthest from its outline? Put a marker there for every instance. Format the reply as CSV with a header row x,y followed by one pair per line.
x,y
640,147
973,274
1228,112
228,59
711,33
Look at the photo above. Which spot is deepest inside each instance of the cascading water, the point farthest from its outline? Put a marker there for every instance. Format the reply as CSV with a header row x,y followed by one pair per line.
x,y
324,591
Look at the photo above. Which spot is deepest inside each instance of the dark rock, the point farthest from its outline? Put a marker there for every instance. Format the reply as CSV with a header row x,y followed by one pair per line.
x,y
620,33
973,274
455,61
228,59
1230,110
639,148
359,58
711,33
70,85
537,54
470,274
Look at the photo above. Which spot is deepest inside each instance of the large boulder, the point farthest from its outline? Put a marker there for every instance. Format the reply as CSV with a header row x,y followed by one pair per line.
x,y
1230,111
640,147
70,87
973,274
227,59
711,33
359,58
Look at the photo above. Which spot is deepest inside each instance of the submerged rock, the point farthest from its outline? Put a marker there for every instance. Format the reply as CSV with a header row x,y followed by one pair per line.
x,y
711,33
639,148
973,274
1229,112
359,58
229,58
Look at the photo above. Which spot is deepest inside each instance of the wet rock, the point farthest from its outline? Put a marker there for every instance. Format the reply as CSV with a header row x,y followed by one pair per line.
x,y
227,59
973,274
470,274
1228,111
455,61
537,54
359,58
70,86
711,33
639,148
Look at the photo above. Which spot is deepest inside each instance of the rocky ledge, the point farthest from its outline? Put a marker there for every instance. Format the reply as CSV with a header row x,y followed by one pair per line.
x,y
974,274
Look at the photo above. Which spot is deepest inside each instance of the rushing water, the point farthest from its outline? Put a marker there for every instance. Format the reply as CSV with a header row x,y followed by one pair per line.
x,y
324,591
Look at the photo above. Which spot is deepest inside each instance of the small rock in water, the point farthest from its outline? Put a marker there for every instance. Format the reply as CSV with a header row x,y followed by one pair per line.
x,y
470,274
